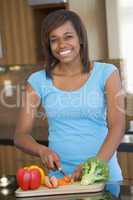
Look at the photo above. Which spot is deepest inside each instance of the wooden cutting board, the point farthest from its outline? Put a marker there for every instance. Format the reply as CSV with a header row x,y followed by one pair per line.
x,y
66,189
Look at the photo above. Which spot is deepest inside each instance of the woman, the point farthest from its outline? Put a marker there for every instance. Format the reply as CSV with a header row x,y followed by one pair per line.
x,y
80,99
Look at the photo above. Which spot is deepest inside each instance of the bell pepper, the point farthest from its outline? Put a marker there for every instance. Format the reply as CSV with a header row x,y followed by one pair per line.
x,y
43,174
28,178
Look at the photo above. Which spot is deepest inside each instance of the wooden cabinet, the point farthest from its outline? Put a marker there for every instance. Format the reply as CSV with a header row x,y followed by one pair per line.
x,y
21,24
11,159
17,26
126,163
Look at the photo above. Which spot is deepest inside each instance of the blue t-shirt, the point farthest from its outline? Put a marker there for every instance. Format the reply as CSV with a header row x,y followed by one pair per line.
x,y
77,119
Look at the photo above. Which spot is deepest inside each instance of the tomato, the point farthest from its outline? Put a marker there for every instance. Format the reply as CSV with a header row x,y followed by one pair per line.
x,y
28,179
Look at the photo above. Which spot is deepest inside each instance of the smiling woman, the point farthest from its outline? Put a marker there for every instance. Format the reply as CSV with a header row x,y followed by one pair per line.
x,y
80,99
66,36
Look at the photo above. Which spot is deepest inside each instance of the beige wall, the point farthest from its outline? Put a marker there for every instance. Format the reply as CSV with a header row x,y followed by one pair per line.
x,y
112,16
93,14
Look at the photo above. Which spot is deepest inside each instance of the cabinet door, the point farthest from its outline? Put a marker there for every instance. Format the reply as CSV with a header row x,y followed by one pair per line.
x,y
126,163
2,48
11,159
16,20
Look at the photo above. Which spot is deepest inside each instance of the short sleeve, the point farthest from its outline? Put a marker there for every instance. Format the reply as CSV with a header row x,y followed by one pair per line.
x,y
36,80
107,71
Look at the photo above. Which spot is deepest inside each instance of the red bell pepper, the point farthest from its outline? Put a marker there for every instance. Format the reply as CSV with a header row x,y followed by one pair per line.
x,y
28,178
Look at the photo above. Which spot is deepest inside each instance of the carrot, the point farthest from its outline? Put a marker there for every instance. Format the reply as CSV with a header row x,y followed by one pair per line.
x,y
53,182
67,179
64,181
61,182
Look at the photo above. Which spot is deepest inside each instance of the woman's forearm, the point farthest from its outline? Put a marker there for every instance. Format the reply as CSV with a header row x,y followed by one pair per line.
x,y
28,144
111,143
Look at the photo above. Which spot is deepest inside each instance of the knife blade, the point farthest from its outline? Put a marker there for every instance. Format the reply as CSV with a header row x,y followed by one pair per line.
x,y
61,171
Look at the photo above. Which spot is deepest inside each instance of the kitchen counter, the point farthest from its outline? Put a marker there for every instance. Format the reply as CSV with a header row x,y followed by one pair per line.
x,y
126,144
112,191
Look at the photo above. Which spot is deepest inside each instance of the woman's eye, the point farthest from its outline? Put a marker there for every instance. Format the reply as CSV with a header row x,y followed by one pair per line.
x,y
68,36
53,40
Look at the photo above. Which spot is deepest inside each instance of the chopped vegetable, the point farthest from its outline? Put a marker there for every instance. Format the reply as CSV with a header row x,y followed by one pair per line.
x,y
64,181
94,170
61,182
67,179
48,182
54,181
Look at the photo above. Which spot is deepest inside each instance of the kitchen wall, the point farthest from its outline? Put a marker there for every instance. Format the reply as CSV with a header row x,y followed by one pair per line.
x,y
93,14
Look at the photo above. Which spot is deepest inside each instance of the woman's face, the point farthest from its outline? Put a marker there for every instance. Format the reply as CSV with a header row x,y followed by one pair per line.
x,y
64,43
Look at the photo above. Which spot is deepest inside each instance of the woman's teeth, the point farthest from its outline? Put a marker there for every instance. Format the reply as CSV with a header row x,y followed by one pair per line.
x,y
62,53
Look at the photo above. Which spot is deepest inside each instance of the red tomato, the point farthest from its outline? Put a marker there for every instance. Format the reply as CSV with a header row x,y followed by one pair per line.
x,y
28,179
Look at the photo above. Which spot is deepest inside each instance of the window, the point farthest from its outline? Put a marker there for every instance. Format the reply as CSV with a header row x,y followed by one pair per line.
x,y
126,37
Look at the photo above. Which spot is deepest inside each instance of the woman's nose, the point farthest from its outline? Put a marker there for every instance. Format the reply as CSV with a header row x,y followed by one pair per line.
x,y
61,43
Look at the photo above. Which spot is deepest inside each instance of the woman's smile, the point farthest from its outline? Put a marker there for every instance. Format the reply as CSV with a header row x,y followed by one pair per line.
x,y
65,52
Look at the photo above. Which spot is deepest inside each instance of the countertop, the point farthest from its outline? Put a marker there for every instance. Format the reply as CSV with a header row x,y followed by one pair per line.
x,y
126,144
112,191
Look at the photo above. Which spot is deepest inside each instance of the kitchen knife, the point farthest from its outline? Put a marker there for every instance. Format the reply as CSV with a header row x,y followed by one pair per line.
x,y
60,169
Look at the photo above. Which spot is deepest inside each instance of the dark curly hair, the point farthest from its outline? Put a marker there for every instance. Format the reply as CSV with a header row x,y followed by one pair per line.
x,y
54,20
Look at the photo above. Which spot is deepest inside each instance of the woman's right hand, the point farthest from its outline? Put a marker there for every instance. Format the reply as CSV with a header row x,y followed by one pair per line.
x,y
49,158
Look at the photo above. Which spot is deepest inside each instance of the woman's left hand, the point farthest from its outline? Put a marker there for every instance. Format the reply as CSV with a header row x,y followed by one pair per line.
x,y
76,175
